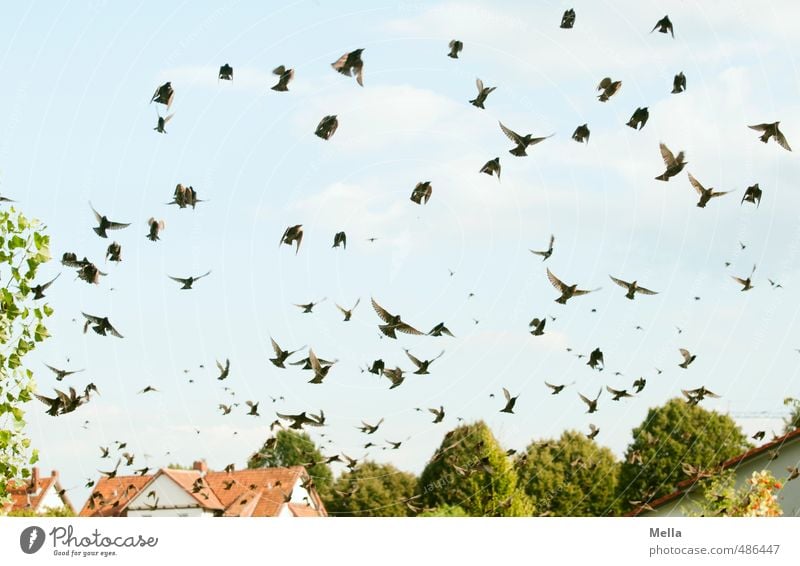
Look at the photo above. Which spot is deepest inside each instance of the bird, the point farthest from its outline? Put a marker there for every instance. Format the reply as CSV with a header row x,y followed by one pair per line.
x,y
632,287
38,290
224,371
101,325
226,409
281,355
225,73
438,414
752,194
556,389
745,283
694,396
639,384
548,252
609,88
759,435
164,95
455,48
187,282
538,326
581,134
396,376
185,196
155,227
522,141
161,124
377,367
308,307
114,252
679,83
393,322
105,223
568,19
688,358
567,291
618,393
664,25
368,428
510,402
794,473
327,127
492,167
591,403
440,329
705,194
298,421
340,239
483,92
593,431
253,408
348,313
772,130
351,64
639,118
320,370
422,366
61,373
422,193
293,235
774,284
595,359
674,164
394,445
284,77
148,389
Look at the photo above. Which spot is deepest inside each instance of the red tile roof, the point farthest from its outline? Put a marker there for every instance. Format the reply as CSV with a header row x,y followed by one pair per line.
x,y
25,496
686,484
111,495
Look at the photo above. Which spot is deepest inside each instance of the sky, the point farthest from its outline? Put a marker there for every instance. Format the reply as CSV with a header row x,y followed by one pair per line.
x,y
77,126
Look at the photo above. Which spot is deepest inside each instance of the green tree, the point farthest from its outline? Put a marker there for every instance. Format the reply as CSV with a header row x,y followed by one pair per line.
x,y
373,490
792,422
47,512
674,437
471,470
23,248
295,448
721,498
444,511
571,476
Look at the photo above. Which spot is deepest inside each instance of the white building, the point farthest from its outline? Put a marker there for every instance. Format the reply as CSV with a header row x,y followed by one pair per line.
x,y
262,492
38,494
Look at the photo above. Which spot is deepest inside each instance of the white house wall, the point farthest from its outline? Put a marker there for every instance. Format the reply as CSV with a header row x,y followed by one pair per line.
x,y
173,501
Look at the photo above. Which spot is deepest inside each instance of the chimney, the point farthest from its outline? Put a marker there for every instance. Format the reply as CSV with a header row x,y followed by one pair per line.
x,y
200,466
34,486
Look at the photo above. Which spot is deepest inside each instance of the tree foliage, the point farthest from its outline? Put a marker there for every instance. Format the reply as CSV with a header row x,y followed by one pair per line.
x,y
721,498
444,511
23,248
673,437
373,490
47,512
571,476
792,422
295,448
471,470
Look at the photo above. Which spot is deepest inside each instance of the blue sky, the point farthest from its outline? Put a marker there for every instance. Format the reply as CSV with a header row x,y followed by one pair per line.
x,y
77,127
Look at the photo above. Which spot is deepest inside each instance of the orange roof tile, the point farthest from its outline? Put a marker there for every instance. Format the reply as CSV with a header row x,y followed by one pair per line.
x,y
111,495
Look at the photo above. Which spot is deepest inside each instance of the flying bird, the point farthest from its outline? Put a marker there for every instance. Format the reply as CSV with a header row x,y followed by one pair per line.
x,y
705,194
187,282
351,64
253,412
752,194
567,291
483,92
537,324
422,366
101,325
224,371
455,48
591,403
422,193
161,124
368,428
185,196
548,252
595,359
396,376
320,369
522,141
293,235
568,19
284,77
639,118
679,83
639,384
771,130
694,396
745,283
688,358
632,287
38,290
393,322
618,393
327,127
61,373
164,95
492,167
674,164
440,329
114,252
281,355
581,134
510,402
340,239
438,414
225,73
609,88
155,227
308,307
298,421
348,313
664,25
105,224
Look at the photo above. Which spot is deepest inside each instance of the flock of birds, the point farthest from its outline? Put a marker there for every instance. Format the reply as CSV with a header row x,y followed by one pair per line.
x,y
389,322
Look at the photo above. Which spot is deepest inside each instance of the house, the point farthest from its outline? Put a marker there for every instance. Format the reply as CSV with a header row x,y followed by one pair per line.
x,y
38,494
776,456
262,492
